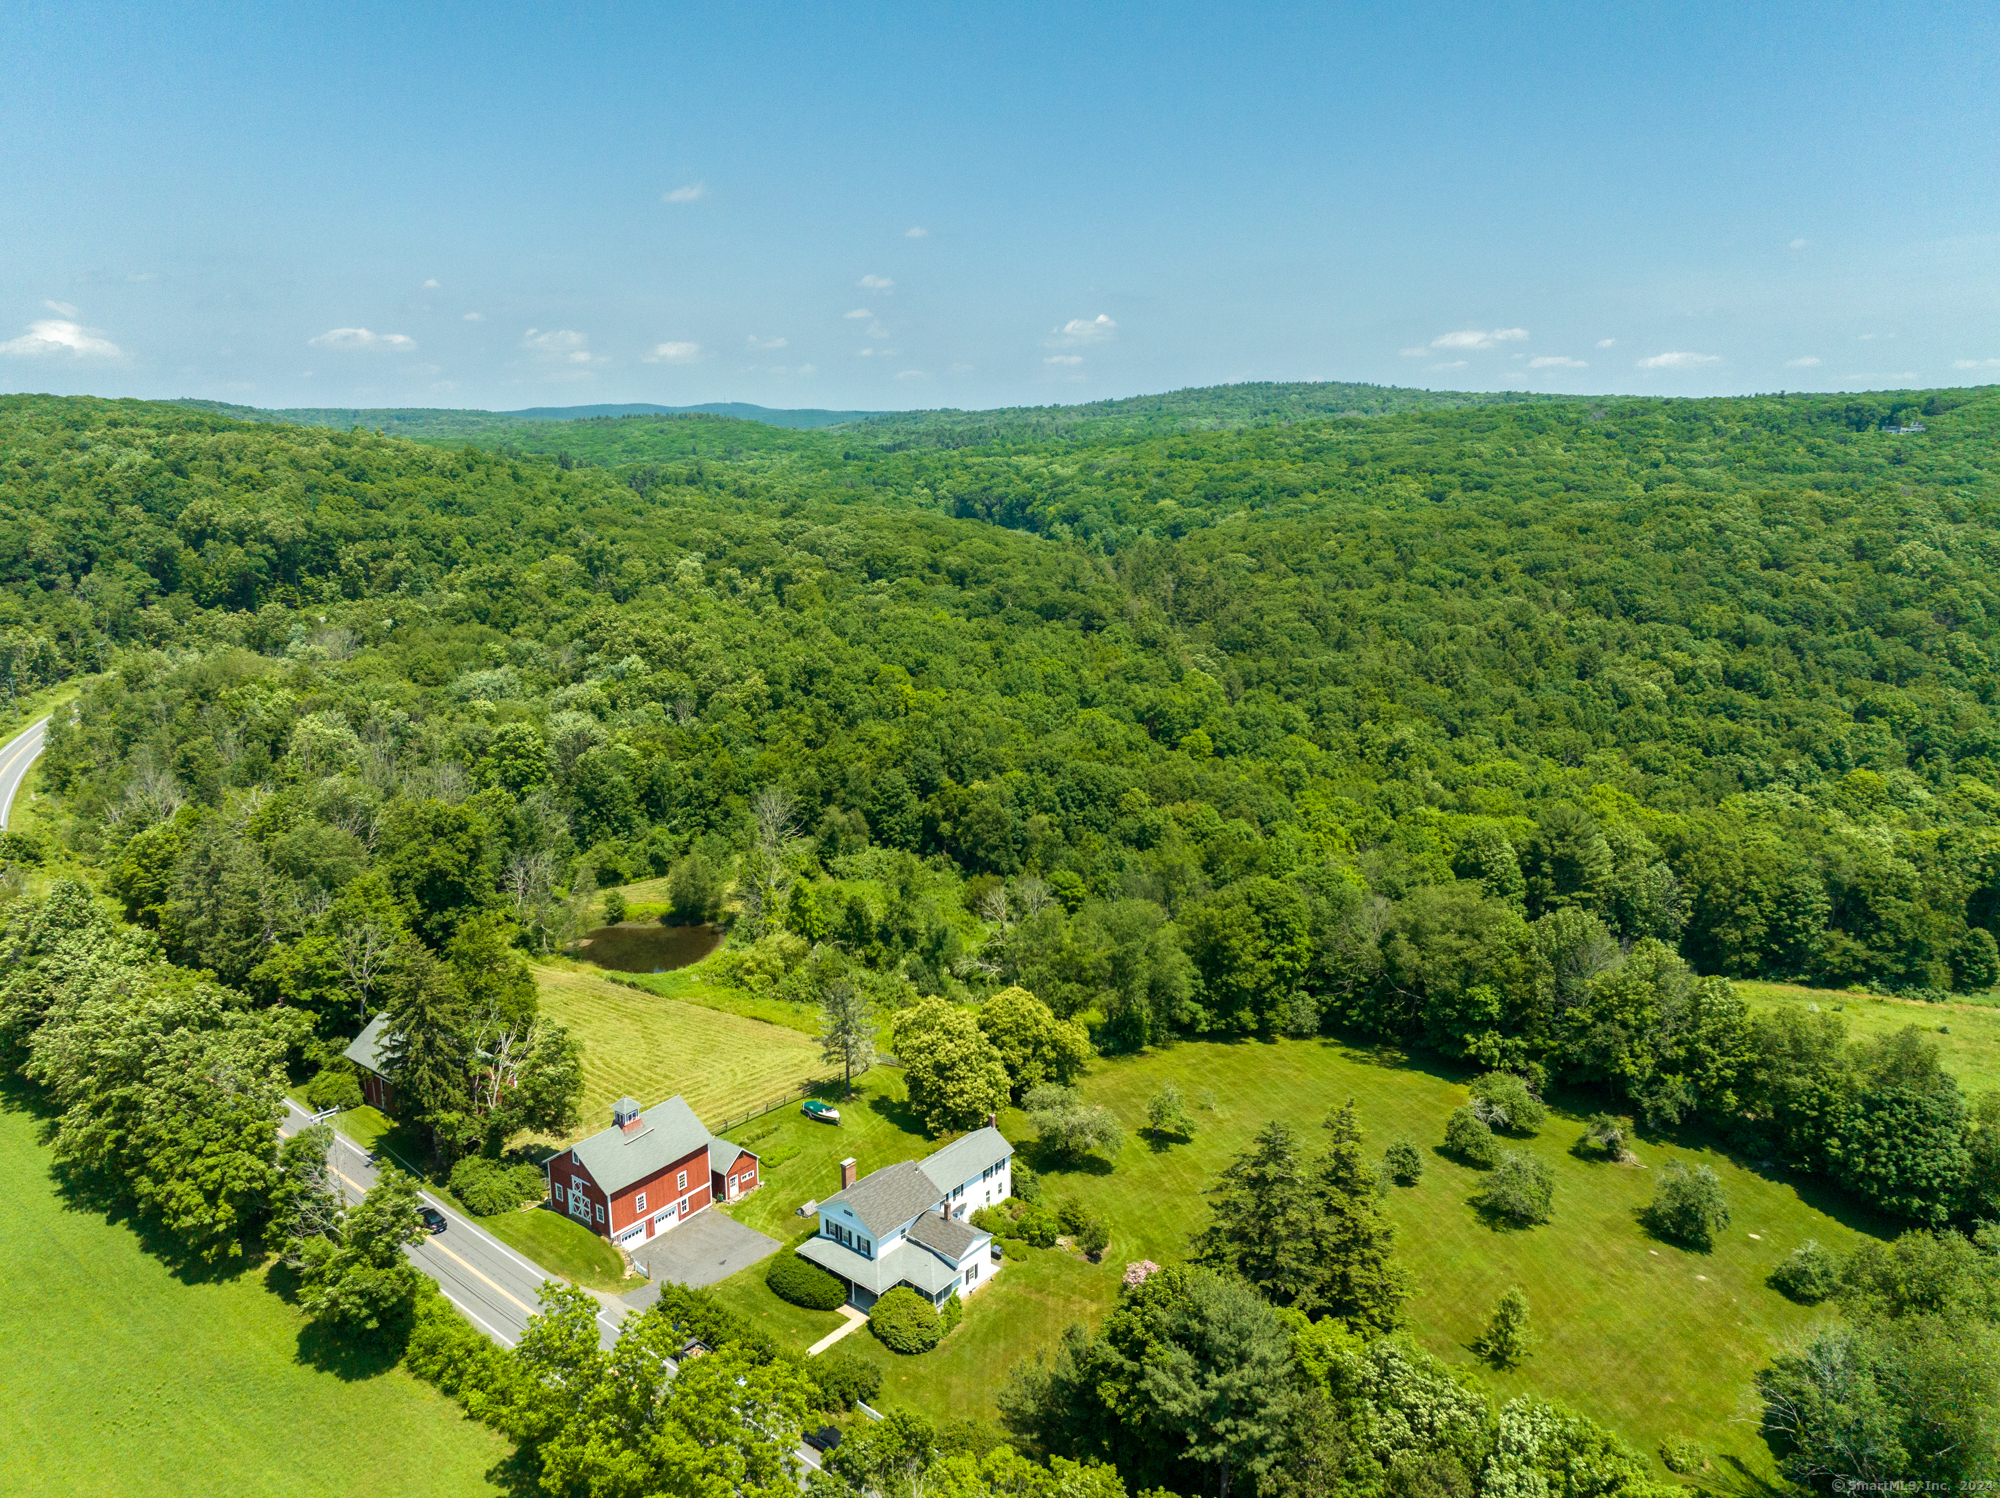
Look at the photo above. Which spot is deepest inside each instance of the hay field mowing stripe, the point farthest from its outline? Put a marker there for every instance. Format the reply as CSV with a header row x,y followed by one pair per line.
x,y
1968,1046
650,1047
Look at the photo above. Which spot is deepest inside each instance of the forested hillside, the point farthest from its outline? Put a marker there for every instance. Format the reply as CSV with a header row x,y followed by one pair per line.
x,y
1460,728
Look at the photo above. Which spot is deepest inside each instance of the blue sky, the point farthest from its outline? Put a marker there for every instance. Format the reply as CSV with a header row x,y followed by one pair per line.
x,y
904,205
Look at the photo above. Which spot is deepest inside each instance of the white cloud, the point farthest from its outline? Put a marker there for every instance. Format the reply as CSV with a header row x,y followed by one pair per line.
x,y
360,340
1680,359
561,346
1556,361
475,317
916,234
1799,244
1081,330
911,374
1477,338
806,369
756,342
1810,361
693,192
1454,364
876,283
1975,364
60,337
431,285
676,353
61,309
1413,353
1063,359
858,312
876,330
1606,342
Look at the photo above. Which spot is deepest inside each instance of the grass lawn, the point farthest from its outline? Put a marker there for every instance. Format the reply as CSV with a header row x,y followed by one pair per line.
x,y
693,985
1970,1051
1645,1336
122,1379
564,1248
651,1048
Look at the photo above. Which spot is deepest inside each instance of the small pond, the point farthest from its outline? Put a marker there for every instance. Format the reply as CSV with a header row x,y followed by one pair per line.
x,y
642,947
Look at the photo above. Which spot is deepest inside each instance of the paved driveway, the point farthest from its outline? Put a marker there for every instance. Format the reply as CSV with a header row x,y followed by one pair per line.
x,y
706,1248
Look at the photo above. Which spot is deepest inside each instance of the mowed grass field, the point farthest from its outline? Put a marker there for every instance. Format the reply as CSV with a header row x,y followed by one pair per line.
x,y
651,1048
1966,1034
1650,1338
118,1380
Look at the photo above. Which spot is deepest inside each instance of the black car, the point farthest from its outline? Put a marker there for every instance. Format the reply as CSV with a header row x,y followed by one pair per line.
x,y
432,1219
823,1439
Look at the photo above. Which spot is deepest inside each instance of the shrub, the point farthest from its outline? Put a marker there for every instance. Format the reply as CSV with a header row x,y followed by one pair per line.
x,y
1012,1248
1808,1274
845,1380
1502,1101
614,906
804,1283
1093,1238
1404,1161
1027,1185
994,1220
1070,1215
903,1321
950,1314
334,1087
1520,1188
1038,1226
489,1187
1682,1456
1604,1134
1467,1137
1069,1127
1688,1205
1167,1113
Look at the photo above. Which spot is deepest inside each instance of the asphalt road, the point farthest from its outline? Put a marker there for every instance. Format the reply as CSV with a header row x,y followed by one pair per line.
x,y
492,1284
15,759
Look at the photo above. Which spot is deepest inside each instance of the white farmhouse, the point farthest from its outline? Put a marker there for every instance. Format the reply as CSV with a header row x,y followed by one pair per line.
x,y
905,1224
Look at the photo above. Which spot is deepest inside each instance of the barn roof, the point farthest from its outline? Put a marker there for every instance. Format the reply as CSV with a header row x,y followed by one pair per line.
x,y
667,1132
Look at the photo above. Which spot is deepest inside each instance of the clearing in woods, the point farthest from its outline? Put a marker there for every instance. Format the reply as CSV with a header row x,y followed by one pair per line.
x,y
642,1045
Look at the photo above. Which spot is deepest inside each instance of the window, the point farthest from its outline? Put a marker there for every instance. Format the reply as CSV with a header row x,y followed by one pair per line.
x,y
862,1245
683,1185
640,1204
600,1214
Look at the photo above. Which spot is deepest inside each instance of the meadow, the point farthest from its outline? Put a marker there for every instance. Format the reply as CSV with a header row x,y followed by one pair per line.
x,y
142,1383
650,1047
1966,1032
1644,1335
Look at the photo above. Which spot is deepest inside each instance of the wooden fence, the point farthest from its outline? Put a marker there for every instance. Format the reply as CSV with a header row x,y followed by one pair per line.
x,y
737,1120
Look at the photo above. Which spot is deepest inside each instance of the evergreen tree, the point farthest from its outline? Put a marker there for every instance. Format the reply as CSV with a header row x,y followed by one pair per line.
x,y
1352,1240
847,1027
429,1050
1506,1340
1266,1220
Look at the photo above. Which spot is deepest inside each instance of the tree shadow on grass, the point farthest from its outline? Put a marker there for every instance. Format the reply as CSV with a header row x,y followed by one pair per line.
x,y
1046,1162
1650,1226
1728,1475
898,1112
1758,1158
1497,1221
347,1356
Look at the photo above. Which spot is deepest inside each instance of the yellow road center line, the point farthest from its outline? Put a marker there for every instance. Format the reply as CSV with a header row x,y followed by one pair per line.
x,y
497,1289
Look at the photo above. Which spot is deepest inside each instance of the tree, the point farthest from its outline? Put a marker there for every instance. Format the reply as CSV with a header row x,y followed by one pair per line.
x,y
1604,1134
1352,1241
362,1283
1250,945
1503,1102
614,906
428,1051
1506,1340
305,1205
1808,1274
954,1075
1069,1127
847,1028
1520,1189
1034,1045
1264,1218
695,888
1167,1113
1467,1137
1688,1205
1567,862
1404,1161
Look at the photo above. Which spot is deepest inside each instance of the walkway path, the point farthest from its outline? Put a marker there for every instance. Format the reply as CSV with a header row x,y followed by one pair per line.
x,y
855,1321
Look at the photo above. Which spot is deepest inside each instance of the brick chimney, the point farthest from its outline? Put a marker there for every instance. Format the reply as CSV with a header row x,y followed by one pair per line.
x,y
992,1120
626,1117
846,1172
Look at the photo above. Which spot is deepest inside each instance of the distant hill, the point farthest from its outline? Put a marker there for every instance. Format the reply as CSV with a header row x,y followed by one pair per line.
x,y
438,424
1201,408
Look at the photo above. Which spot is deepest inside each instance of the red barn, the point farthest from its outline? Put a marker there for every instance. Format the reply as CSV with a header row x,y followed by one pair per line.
x,y
648,1172
366,1054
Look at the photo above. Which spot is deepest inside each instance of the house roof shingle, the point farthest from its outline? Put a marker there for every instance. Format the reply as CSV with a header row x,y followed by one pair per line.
x,y
946,1235
667,1132
722,1154
962,1159
365,1050
926,1271
885,1199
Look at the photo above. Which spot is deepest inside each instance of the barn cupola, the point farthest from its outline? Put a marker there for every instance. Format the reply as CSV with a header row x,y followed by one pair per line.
x,y
626,1117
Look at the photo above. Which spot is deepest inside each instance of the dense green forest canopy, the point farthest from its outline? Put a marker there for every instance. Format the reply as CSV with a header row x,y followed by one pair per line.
x,y
1488,729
